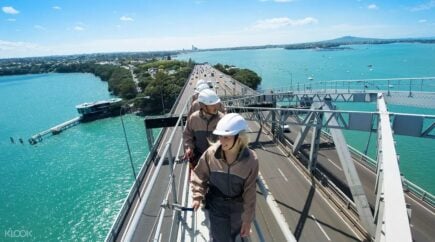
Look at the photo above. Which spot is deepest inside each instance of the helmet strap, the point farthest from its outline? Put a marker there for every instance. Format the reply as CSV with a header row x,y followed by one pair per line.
x,y
235,140
204,109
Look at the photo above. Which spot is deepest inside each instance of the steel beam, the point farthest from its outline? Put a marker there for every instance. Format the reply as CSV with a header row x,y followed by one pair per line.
x,y
350,120
315,141
352,177
392,217
302,134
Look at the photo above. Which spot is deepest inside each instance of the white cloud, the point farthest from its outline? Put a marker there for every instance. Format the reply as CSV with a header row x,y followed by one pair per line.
x,y
10,10
79,28
57,8
11,20
21,49
424,6
126,18
422,21
39,27
372,7
275,23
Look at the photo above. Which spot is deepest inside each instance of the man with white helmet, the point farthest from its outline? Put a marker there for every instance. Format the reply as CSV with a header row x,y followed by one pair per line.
x,y
226,177
197,106
201,84
200,125
198,89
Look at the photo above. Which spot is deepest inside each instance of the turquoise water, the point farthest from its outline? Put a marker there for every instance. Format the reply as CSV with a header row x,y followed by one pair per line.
x,y
70,186
283,68
279,67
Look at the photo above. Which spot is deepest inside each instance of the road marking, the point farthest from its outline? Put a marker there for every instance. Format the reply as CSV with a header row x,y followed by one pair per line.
x,y
416,200
321,228
335,164
282,174
325,199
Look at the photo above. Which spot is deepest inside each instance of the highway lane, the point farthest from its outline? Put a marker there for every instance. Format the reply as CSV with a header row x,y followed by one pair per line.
x,y
423,216
308,213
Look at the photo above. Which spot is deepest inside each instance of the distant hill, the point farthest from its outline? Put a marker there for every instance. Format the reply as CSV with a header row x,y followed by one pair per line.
x,y
351,40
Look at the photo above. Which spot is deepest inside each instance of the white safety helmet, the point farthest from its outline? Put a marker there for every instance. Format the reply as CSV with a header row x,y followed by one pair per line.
x,y
201,87
199,82
208,97
230,124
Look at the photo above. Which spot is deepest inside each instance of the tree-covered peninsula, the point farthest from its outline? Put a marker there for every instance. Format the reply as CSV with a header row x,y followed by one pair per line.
x,y
245,76
152,84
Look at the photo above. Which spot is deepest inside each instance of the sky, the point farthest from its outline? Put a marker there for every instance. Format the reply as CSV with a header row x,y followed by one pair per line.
x,y
54,27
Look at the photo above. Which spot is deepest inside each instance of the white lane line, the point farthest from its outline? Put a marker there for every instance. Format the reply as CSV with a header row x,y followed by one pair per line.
x,y
282,174
339,168
325,199
416,200
321,228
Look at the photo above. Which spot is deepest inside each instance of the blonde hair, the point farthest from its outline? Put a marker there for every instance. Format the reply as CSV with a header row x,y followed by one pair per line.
x,y
241,142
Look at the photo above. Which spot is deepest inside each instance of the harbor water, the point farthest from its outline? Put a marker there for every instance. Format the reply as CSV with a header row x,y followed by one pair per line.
x,y
70,186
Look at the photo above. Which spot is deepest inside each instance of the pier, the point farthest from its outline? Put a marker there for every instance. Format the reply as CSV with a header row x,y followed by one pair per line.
x,y
307,191
53,131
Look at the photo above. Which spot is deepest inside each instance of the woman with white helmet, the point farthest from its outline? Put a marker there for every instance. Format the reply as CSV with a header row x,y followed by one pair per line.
x,y
200,125
226,177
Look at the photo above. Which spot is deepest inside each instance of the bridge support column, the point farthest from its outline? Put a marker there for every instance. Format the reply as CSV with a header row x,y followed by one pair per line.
x,y
315,141
303,133
351,174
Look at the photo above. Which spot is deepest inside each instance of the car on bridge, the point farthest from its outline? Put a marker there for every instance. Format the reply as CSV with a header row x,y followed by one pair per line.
x,y
285,128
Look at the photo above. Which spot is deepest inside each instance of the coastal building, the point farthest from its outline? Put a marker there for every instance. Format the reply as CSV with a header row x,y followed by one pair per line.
x,y
99,109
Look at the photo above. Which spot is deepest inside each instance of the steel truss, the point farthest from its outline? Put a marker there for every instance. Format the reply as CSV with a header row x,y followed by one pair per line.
x,y
382,224
416,125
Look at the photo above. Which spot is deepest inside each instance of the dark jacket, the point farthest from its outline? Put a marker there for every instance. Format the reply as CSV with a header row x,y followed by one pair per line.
x,y
232,181
199,131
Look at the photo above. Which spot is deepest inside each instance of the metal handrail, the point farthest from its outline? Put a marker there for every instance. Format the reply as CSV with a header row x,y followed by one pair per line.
x,y
146,195
408,84
116,226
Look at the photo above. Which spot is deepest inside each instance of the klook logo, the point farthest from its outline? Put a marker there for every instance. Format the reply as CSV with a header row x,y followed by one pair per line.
x,y
18,233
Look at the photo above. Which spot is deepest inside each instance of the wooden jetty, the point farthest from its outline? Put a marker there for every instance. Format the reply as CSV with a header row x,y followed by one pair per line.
x,y
54,130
